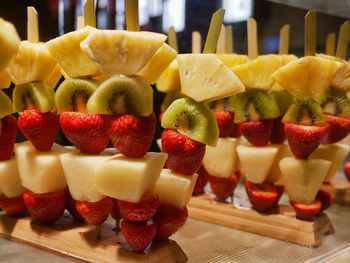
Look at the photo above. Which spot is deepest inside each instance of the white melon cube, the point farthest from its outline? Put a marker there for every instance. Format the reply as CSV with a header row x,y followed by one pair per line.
x,y
10,182
275,171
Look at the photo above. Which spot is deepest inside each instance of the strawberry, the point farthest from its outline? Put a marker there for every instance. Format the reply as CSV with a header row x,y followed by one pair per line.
x,y
325,198
95,212
258,132
40,128
306,211
86,131
131,135
223,187
184,154
141,211
236,132
45,208
225,123
277,133
8,137
160,117
338,130
201,182
13,206
70,205
280,190
138,235
347,170
303,140
262,196
169,219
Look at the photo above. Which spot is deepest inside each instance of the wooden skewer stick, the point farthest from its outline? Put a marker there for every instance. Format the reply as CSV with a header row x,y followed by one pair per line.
x,y
310,33
89,13
214,31
172,40
342,45
32,25
80,22
252,32
229,40
330,44
284,40
220,46
196,42
132,15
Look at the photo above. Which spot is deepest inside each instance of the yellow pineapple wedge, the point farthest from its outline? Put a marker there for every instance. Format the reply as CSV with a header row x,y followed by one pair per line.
x,y
307,77
68,54
158,63
169,80
205,78
31,63
256,73
9,42
231,60
5,79
121,52
54,78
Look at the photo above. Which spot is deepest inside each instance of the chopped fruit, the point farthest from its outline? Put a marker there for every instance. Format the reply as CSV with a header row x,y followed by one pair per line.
x,y
175,189
40,128
169,220
225,104
338,130
283,100
140,235
129,179
277,131
9,41
335,102
95,212
222,187
225,123
169,98
303,178
170,79
6,107
160,117
275,171
257,161
54,77
184,154
231,60
131,135
257,132
306,211
347,170
203,83
280,190
159,144
262,196
7,137
10,182
141,211
192,119
201,182
71,206
46,208
325,198
303,140
13,206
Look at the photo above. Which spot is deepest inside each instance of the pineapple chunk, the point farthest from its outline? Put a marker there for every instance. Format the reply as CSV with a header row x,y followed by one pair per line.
x,y
303,178
5,79
79,172
205,78
231,60
275,173
256,74
159,143
276,87
54,78
31,63
220,160
10,182
40,172
129,179
121,52
175,189
169,80
307,77
257,161
335,153
158,63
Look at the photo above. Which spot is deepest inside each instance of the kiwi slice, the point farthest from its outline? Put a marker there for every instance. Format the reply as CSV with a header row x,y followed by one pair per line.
x,y
283,98
335,102
254,105
122,95
73,94
6,107
222,105
169,98
305,112
34,95
192,119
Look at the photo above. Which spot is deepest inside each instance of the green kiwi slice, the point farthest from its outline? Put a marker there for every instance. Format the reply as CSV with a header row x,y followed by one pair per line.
x,y
73,94
283,98
170,97
34,95
305,112
222,104
335,102
122,95
192,119
254,105
6,107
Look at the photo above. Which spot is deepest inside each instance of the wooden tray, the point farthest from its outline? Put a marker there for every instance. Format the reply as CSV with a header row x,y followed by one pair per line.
x,y
340,191
78,241
281,224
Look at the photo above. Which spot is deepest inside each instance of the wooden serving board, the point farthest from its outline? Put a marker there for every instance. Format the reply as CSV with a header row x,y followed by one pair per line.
x,y
340,191
78,241
281,224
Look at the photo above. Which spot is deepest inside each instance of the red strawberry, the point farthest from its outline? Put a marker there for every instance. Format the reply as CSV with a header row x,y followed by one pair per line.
x,y
131,135
160,117
70,205
184,154
225,122
303,140
236,132
277,133
40,128
347,170
139,212
262,196
280,190
13,206
138,235
223,187
46,208
201,182
8,137
95,212
339,129
86,131
258,132
306,211
169,219
325,198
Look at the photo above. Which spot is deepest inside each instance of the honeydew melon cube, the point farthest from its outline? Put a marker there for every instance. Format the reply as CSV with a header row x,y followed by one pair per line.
x,y
275,172
10,182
